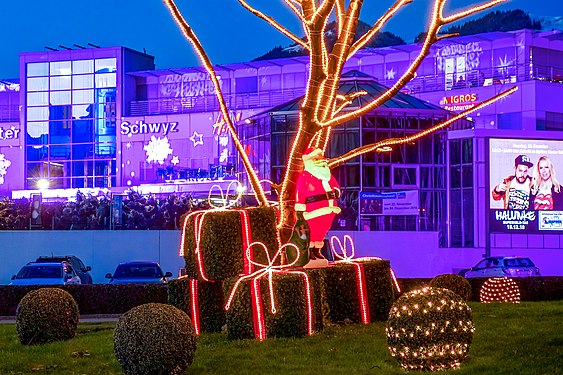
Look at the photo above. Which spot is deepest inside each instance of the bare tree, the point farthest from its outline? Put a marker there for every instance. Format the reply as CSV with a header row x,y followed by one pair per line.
x,y
322,107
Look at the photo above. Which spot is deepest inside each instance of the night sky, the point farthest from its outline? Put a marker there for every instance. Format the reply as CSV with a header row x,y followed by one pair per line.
x,y
228,32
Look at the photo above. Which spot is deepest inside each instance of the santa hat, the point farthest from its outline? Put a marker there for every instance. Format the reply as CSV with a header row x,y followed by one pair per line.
x,y
311,152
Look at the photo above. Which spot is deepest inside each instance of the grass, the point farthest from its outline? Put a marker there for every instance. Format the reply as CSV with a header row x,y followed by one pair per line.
x,y
524,339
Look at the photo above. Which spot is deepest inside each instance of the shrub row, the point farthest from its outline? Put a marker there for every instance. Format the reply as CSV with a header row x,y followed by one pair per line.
x,y
117,299
543,288
92,299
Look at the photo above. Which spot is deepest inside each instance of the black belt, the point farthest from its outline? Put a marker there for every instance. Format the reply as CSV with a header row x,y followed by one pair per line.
x,y
322,197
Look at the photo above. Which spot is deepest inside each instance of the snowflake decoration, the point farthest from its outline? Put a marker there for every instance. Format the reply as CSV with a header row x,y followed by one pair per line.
x,y
158,149
504,64
4,164
224,156
175,160
390,74
197,138
224,140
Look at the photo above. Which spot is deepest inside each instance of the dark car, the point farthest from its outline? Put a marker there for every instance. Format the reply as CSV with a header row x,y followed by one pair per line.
x,y
81,270
503,267
138,272
48,273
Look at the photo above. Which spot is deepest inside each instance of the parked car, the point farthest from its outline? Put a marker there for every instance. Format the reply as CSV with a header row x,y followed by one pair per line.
x,y
49,273
503,266
81,270
138,272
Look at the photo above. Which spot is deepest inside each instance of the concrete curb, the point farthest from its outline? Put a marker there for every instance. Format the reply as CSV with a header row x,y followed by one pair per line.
x,y
94,318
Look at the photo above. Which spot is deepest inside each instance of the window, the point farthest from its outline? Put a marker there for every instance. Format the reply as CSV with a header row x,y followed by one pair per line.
x,y
553,121
405,176
60,68
82,66
71,123
461,193
37,69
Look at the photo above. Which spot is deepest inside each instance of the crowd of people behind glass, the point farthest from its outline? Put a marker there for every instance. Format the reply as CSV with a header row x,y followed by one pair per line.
x,y
136,211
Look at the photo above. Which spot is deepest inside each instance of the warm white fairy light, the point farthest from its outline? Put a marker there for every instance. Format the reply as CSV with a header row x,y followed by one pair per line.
x,y
500,289
322,108
434,343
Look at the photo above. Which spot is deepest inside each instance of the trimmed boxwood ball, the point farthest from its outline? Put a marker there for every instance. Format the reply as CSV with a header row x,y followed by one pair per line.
x,y
154,339
46,315
455,283
429,329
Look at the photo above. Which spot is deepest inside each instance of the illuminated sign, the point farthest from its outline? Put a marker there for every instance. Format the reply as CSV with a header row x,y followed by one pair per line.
x,y
11,133
141,127
459,102
391,203
187,85
525,194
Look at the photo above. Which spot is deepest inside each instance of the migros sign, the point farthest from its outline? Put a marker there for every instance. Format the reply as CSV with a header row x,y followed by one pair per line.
x,y
459,102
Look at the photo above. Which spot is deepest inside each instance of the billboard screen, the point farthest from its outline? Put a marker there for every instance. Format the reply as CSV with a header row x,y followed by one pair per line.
x,y
525,191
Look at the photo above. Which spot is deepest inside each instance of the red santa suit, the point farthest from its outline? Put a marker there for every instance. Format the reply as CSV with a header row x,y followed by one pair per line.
x,y
317,198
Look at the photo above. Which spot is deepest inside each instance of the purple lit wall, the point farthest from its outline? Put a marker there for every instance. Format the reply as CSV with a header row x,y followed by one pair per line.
x,y
185,142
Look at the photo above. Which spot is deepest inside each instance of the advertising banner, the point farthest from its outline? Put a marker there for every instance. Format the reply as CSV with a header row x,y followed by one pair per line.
x,y
525,193
391,203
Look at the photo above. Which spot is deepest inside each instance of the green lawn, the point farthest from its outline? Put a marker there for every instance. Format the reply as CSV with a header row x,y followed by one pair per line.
x,y
525,339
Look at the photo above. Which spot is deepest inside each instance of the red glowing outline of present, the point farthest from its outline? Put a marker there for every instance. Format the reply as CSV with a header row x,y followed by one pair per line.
x,y
268,270
360,275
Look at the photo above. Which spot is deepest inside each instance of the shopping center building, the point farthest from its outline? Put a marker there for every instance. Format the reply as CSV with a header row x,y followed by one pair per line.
x,y
106,118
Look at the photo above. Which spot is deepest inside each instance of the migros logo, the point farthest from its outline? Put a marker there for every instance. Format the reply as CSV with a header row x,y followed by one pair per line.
x,y
464,98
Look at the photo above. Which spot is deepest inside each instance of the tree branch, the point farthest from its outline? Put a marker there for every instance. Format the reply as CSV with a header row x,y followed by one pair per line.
x,y
273,23
377,26
436,23
347,100
200,51
387,144
460,15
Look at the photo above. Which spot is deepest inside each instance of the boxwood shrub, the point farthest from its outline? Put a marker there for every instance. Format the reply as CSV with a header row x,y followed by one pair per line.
x,y
92,299
221,241
342,291
290,320
211,302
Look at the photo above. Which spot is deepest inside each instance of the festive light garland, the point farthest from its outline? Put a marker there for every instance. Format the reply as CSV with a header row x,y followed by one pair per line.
x,y
202,55
267,270
320,107
345,258
199,219
499,289
429,329
195,306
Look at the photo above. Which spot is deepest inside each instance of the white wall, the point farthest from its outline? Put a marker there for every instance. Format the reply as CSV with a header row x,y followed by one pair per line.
x,y
412,254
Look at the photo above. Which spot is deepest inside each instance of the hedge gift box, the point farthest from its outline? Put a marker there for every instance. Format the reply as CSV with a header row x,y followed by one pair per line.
x,y
214,242
359,290
259,309
203,301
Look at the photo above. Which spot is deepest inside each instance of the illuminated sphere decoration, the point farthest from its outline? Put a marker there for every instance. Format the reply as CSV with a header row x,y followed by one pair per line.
x,y
500,289
429,329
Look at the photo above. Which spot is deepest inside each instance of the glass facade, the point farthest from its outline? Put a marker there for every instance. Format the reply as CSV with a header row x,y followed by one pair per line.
x,y
420,166
71,123
461,193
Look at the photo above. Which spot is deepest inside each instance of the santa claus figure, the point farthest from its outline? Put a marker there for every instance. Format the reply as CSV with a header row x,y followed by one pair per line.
x,y
317,199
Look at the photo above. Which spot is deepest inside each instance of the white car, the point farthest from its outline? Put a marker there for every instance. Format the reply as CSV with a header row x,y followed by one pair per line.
x,y
35,273
503,267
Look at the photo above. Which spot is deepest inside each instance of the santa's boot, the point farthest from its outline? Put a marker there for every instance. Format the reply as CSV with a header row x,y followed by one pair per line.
x,y
316,259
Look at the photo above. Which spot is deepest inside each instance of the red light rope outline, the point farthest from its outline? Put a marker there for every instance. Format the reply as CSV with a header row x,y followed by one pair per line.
x,y
268,270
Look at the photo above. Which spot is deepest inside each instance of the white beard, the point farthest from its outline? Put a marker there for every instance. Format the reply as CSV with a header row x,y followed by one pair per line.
x,y
318,168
